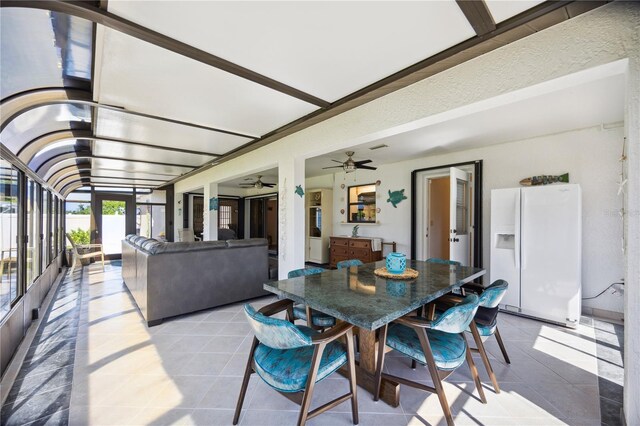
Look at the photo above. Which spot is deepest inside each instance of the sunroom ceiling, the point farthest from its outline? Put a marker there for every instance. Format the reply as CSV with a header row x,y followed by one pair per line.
x,y
326,49
163,89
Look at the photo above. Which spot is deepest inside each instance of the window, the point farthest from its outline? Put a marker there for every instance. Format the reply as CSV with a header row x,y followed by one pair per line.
x,y
33,232
151,214
462,209
361,204
78,216
54,227
8,237
61,222
150,221
45,241
228,214
225,216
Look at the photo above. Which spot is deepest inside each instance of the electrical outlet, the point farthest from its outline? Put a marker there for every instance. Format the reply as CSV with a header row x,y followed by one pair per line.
x,y
618,288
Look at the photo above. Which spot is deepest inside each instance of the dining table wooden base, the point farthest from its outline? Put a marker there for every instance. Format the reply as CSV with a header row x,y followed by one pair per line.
x,y
366,369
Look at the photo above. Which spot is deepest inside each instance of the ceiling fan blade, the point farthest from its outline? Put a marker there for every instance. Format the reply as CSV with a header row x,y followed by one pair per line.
x,y
337,161
247,184
366,167
268,185
362,162
333,167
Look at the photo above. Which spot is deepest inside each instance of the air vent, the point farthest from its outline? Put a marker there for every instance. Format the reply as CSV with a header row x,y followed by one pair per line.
x,y
379,146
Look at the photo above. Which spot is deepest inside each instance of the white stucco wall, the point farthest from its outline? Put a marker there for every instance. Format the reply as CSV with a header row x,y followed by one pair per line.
x,y
590,156
604,35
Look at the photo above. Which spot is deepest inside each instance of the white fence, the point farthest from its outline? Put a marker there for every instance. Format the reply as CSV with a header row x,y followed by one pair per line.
x,y
113,229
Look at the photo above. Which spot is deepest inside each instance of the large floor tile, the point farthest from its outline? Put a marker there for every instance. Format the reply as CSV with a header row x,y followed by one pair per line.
x,y
188,370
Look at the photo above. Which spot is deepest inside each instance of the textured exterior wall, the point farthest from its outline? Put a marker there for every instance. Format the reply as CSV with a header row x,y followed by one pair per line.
x,y
604,35
590,156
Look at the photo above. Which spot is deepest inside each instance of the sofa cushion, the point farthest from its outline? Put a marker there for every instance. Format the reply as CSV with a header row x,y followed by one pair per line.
x,y
186,246
252,242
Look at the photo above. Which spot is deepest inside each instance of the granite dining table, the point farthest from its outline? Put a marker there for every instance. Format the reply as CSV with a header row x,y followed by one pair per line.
x,y
359,297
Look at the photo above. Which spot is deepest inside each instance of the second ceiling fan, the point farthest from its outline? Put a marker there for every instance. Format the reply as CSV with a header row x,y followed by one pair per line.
x,y
257,184
349,165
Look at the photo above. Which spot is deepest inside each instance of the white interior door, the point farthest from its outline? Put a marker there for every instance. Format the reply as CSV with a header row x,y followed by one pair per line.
x,y
459,216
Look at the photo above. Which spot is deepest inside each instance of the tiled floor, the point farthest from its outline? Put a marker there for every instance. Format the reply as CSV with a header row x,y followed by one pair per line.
x,y
188,371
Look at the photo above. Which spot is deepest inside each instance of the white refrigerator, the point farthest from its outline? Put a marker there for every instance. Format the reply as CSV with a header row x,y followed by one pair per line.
x,y
536,246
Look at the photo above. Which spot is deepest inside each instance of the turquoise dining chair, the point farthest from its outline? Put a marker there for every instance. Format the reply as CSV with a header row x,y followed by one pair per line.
x,y
485,321
440,345
485,324
430,309
444,261
348,263
292,359
300,312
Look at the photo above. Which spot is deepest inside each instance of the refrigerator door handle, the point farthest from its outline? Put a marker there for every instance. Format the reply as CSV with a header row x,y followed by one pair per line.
x,y
516,250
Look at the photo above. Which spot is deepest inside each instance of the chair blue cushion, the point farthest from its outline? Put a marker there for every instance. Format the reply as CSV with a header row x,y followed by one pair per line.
x,y
448,349
287,370
444,261
348,263
274,332
319,319
304,272
492,295
487,330
457,318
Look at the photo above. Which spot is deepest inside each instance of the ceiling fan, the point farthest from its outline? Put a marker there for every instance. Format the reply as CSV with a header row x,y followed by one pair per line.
x,y
350,166
257,184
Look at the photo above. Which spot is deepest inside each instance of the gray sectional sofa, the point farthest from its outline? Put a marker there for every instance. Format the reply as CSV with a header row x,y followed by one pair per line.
x,y
169,279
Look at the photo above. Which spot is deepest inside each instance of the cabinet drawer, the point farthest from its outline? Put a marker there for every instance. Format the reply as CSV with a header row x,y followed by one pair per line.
x,y
343,242
358,253
365,244
336,259
339,251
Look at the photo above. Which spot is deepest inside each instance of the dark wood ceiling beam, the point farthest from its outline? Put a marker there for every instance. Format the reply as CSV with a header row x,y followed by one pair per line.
x,y
115,22
478,14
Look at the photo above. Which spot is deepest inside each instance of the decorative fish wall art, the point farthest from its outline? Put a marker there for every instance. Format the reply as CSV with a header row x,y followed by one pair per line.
x,y
544,180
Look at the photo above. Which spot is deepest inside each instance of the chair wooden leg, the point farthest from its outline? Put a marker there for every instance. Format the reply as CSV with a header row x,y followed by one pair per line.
x,y
435,377
430,311
382,340
102,256
311,382
502,348
353,385
245,382
289,316
474,371
483,355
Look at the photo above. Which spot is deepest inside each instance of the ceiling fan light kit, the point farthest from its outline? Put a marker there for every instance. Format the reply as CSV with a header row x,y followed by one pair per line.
x,y
258,184
350,166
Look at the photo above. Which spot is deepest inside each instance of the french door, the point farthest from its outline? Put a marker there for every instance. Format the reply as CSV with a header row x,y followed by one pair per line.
x,y
114,218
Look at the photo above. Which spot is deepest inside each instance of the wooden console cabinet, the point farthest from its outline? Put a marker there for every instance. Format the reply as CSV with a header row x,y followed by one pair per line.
x,y
344,248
